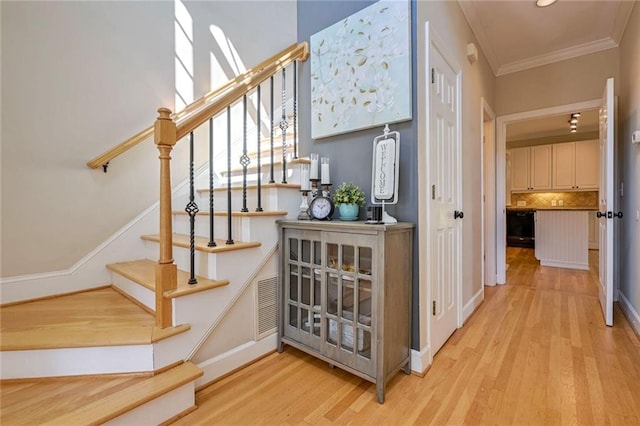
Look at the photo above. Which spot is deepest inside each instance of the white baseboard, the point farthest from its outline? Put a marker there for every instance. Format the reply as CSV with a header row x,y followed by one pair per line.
x,y
570,265
420,360
229,361
472,304
630,312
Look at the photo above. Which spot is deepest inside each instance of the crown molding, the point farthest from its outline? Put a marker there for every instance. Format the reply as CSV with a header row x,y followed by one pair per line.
x,y
469,12
557,56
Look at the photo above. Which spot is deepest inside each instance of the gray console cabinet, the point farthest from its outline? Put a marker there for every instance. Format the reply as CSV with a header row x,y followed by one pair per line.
x,y
345,295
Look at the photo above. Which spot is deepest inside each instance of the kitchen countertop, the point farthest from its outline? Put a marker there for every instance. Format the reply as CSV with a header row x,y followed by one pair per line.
x,y
511,208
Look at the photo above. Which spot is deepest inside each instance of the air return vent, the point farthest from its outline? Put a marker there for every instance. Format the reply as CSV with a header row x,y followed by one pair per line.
x,y
266,314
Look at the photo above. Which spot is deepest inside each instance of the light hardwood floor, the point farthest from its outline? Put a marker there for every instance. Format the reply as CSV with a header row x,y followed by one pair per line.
x,y
535,352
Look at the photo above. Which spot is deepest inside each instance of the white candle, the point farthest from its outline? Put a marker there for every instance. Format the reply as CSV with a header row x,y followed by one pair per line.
x,y
326,178
313,174
305,185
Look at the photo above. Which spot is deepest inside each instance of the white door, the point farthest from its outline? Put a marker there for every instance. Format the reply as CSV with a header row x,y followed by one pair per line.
x,y
445,178
606,208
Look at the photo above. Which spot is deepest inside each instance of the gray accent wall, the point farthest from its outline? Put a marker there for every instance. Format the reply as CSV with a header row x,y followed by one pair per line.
x,y
351,154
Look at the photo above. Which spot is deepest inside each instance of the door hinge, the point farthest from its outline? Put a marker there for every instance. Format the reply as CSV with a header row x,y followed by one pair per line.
x,y
433,192
434,307
433,75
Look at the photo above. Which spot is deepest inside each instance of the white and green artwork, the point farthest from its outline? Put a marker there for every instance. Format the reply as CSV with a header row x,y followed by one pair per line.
x,y
361,70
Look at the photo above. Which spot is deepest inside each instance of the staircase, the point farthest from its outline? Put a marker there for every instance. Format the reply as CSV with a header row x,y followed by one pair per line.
x,y
108,352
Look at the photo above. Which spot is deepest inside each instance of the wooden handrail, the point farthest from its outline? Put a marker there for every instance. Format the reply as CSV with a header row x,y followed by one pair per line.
x,y
295,51
189,124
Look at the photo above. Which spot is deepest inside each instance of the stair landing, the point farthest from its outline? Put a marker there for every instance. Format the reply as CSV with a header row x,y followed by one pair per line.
x,y
87,400
101,317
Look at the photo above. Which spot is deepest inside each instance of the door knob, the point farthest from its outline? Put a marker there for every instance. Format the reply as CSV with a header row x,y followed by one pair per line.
x,y
601,214
618,215
458,215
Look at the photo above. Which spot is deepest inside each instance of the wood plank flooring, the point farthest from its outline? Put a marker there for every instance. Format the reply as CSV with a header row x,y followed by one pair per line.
x,y
101,317
535,352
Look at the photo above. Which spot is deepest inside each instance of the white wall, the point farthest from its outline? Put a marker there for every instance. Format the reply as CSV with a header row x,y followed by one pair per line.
x,y
629,164
560,83
80,77
448,22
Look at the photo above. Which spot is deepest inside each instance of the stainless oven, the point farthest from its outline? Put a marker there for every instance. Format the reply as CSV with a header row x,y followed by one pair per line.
x,y
521,228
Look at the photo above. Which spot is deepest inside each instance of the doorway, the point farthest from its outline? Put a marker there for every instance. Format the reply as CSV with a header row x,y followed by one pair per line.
x,y
500,188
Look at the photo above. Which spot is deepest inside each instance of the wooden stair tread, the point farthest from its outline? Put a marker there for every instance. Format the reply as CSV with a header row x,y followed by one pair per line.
x,y
101,317
143,272
182,240
295,186
236,213
86,400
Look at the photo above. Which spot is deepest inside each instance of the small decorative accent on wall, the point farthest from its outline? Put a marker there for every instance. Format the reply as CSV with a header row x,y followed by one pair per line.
x,y
361,70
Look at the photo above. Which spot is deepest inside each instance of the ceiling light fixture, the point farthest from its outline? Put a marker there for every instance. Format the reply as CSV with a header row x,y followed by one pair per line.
x,y
575,115
544,3
573,120
574,130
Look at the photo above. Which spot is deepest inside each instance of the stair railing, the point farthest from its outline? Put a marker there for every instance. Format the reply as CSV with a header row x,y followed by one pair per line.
x,y
168,131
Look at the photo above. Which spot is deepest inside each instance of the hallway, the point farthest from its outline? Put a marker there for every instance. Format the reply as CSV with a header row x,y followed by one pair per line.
x,y
535,352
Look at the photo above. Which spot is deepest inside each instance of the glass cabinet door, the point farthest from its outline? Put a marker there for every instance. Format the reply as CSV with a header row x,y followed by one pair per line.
x,y
303,302
350,284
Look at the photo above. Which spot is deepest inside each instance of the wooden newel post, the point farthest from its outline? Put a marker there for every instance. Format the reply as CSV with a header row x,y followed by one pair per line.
x,y
166,270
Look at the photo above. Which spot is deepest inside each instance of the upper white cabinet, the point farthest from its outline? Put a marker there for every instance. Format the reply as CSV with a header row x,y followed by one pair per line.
x,y
576,165
588,164
531,168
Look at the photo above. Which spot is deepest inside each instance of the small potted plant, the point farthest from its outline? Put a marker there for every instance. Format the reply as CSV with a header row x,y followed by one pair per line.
x,y
348,198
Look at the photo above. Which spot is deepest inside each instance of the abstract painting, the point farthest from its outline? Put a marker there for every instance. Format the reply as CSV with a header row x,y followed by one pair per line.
x,y
361,70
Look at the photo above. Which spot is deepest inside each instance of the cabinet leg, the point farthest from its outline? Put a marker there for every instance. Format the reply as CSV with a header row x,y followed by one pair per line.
x,y
380,389
407,368
280,347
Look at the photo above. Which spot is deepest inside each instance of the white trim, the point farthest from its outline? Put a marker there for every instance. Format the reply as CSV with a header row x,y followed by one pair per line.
x,y
501,133
472,304
469,12
237,357
421,360
570,265
557,56
629,312
488,255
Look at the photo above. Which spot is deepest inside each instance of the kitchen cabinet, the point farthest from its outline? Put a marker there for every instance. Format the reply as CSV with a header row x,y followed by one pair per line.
x,y
576,165
345,295
531,168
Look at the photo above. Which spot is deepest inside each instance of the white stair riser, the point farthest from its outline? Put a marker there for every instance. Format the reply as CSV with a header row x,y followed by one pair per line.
x,y
214,266
140,293
76,361
159,410
243,228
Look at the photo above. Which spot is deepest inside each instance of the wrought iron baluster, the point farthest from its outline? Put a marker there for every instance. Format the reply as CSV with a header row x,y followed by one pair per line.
x,y
212,241
295,109
244,159
284,125
273,125
229,239
192,210
259,133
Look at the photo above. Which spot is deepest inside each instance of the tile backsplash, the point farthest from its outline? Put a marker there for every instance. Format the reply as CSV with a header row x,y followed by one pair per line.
x,y
546,199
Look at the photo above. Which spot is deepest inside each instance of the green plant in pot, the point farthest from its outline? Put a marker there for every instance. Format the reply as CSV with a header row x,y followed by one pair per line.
x,y
348,198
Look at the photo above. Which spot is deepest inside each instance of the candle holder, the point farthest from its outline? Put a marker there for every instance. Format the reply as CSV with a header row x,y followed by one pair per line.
x,y
314,187
325,189
304,205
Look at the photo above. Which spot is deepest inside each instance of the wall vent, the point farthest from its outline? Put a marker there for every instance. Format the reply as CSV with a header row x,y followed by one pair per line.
x,y
266,306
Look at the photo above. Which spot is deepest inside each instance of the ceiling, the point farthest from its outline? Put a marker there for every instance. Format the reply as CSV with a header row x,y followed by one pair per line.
x,y
515,35
548,127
